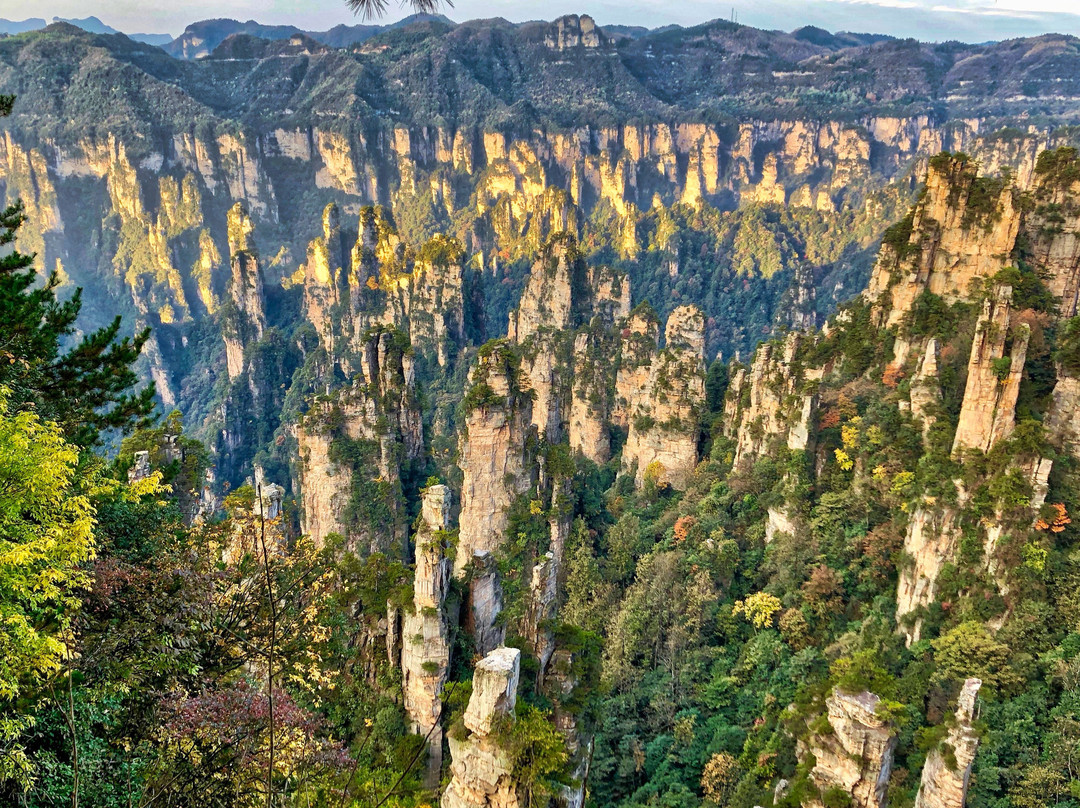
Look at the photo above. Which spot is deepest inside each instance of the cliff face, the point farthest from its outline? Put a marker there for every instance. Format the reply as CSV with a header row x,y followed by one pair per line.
x,y
246,321
961,245
326,283
481,771
962,230
855,758
564,322
136,211
352,449
383,281
768,406
497,462
993,378
662,439
495,454
425,647
930,543
945,781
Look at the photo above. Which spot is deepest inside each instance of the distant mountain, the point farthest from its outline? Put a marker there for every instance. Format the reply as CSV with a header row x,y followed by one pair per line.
x,y
202,38
91,24
20,26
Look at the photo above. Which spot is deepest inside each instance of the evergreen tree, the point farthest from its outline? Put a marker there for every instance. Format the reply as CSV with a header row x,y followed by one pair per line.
x,y
86,389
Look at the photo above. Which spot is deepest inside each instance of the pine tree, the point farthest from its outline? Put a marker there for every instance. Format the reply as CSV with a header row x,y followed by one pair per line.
x,y
85,389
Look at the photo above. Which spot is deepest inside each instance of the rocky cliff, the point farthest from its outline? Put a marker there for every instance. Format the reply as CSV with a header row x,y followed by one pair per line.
x,y
497,461
245,321
481,771
355,446
425,630
664,419
993,376
855,756
947,770
772,404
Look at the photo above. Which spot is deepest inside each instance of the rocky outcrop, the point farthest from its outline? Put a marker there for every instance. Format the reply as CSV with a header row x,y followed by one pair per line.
x,y
437,305
663,434
930,543
481,771
1053,228
947,769
555,293
573,31
245,320
256,521
326,282
994,373
767,405
856,757
564,370
639,339
352,449
590,402
925,390
497,464
962,230
484,602
495,456
383,281
1063,418
425,648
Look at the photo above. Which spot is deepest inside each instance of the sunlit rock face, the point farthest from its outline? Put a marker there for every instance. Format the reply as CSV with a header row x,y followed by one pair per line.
x,y
663,417
425,647
481,772
856,757
945,781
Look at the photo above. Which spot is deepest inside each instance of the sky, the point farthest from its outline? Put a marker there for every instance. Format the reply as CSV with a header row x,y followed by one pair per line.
x,y
929,20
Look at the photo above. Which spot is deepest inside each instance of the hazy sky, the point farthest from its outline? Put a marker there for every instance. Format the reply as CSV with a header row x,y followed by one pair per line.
x,y
969,20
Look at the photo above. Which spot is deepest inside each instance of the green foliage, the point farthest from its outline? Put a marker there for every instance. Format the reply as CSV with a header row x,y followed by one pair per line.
x,y
46,535
1058,168
862,671
1068,350
538,756
898,236
969,650
931,316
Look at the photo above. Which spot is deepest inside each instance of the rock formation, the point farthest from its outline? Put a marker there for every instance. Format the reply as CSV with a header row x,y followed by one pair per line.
x,y
947,769
495,456
245,321
326,282
925,392
856,757
952,241
639,337
993,379
930,542
496,460
425,647
566,317
767,405
481,771
663,434
352,449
